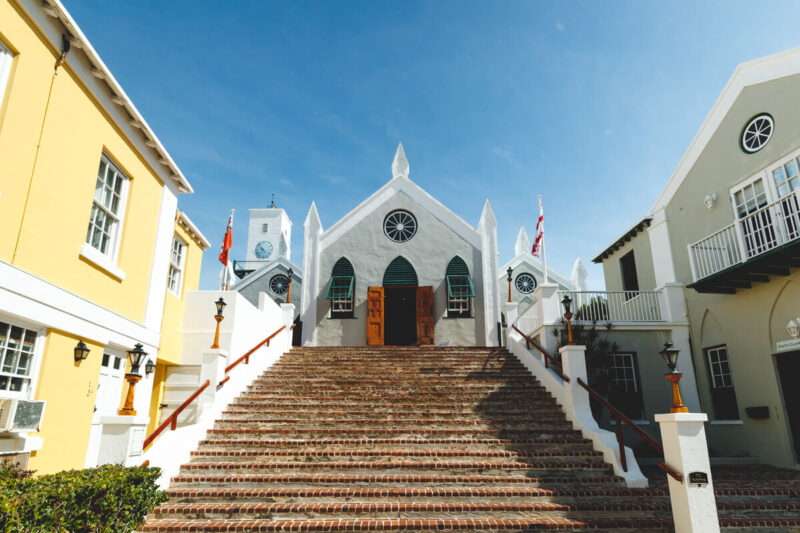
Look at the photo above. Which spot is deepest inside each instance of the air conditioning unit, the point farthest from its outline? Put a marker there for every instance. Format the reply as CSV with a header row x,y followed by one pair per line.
x,y
21,416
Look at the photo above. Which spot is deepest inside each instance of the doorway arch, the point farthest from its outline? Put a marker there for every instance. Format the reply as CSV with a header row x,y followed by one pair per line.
x,y
400,302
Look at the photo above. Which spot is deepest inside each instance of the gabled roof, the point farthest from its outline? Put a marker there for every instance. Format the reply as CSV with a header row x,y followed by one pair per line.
x,y
266,269
753,72
535,264
625,237
399,183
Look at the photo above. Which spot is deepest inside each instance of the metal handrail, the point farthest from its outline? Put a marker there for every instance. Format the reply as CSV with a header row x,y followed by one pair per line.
x,y
172,419
548,359
620,419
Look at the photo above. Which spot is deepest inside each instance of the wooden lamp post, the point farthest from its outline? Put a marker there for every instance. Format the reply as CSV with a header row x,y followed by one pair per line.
x,y
508,277
289,290
218,317
567,302
135,356
670,356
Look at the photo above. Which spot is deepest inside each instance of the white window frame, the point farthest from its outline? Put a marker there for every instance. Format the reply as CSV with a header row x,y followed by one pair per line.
x,y
177,268
112,253
721,375
33,377
6,59
630,357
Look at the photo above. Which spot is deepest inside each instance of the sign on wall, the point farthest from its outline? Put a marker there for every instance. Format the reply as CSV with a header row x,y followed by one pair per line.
x,y
786,346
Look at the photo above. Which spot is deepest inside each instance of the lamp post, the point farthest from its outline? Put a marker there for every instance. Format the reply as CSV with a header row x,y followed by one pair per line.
x,y
567,302
135,356
289,290
670,356
218,317
508,277
81,351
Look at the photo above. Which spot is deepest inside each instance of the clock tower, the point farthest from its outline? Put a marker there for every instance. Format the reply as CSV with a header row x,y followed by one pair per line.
x,y
269,234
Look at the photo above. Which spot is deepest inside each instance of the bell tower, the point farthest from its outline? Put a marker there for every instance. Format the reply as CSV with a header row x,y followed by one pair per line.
x,y
269,234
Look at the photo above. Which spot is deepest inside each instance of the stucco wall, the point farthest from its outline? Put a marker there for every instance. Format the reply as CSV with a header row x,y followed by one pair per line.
x,y
642,254
370,252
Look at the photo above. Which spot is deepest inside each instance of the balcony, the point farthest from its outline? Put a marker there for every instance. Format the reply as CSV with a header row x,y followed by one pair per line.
x,y
763,243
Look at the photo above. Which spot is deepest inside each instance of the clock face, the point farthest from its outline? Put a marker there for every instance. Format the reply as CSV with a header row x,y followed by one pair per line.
x,y
263,249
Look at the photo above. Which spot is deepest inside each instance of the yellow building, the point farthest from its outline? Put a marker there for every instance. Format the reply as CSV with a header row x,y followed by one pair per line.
x,y
92,246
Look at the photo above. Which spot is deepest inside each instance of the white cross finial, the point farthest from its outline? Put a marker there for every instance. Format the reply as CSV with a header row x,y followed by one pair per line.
x,y
400,163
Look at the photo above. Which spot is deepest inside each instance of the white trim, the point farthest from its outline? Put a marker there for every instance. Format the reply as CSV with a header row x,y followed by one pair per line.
x,y
761,70
179,267
6,58
188,225
27,297
159,264
100,260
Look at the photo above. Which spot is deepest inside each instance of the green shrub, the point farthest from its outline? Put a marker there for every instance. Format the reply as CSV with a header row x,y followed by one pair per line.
x,y
106,499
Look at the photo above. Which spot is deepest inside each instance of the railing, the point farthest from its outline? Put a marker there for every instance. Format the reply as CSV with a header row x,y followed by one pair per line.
x,y
615,306
622,419
529,320
762,230
548,359
172,419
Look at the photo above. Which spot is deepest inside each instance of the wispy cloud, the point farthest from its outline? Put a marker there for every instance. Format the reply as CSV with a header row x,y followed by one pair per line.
x,y
505,153
560,26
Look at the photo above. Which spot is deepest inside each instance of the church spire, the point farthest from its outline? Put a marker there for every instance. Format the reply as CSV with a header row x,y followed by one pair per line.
x,y
523,245
272,205
400,163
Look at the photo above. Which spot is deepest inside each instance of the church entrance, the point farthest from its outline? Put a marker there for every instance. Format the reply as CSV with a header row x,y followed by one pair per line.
x,y
400,306
400,313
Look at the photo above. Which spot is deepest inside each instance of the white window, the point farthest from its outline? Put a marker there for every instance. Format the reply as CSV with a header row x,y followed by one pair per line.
x,y
177,260
109,384
17,353
5,67
622,372
107,209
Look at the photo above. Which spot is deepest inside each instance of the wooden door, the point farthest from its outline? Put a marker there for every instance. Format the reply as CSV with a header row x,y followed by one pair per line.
x,y
425,320
375,316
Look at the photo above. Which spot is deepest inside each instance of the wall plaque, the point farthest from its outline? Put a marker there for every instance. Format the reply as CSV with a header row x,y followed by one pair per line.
x,y
698,478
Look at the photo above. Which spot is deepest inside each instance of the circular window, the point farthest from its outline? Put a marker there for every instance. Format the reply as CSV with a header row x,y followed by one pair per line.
x,y
279,284
400,226
757,132
525,283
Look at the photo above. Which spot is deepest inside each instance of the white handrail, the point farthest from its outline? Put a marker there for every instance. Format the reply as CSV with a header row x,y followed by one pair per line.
x,y
615,306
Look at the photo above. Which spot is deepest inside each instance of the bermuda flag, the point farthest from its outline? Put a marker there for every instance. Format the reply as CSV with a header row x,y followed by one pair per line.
x,y
227,242
537,244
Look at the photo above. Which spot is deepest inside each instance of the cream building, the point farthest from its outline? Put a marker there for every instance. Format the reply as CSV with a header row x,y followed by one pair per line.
x,y
727,229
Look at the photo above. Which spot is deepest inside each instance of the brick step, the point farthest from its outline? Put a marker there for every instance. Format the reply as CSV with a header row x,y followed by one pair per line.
x,y
562,442
445,494
365,403
541,467
388,510
369,424
324,453
388,412
397,388
309,480
520,374
462,432
487,525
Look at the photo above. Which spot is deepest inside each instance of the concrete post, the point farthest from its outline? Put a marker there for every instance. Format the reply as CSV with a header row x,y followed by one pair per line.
x,y
549,309
674,312
694,508
511,310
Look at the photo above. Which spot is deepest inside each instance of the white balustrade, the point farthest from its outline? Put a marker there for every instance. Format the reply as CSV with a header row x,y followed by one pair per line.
x,y
615,306
762,230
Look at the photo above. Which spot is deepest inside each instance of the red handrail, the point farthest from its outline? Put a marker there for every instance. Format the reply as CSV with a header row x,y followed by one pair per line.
x,y
172,419
547,357
621,418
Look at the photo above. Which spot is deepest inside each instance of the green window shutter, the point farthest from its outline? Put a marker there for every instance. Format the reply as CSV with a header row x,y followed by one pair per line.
x,y
399,272
342,278
343,267
459,282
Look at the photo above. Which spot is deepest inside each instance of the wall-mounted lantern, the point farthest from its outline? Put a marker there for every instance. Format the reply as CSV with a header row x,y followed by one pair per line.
x,y
150,367
793,327
81,351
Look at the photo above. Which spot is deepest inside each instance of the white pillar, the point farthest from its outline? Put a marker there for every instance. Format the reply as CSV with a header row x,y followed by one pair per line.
x,y
694,508
549,313
511,310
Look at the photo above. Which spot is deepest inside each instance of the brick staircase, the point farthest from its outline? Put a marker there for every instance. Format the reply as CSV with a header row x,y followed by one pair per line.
x,y
407,439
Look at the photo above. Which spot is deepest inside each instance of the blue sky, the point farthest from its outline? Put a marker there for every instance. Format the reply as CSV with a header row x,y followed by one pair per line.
x,y
591,104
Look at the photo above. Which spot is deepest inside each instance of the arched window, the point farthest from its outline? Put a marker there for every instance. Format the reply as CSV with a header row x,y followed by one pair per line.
x,y
399,272
459,289
340,289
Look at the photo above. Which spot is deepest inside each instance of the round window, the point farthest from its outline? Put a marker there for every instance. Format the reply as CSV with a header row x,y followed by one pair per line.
x,y
525,283
400,226
757,132
279,284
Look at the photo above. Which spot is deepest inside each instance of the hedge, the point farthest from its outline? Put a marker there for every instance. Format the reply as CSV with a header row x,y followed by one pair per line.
x,y
106,499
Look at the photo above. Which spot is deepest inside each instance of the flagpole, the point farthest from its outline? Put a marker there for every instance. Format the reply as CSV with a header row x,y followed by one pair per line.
x,y
229,257
544,252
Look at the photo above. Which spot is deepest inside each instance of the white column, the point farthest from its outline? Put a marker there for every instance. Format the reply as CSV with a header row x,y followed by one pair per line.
x,y
312,228
159,267
694,508
549,310
511,310
487,230
660,249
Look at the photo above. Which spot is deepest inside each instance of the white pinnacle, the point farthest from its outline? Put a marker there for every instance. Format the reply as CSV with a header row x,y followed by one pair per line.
x,y
523,245
400,163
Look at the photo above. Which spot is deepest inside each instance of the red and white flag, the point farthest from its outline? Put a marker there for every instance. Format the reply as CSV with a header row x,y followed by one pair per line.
x,y
226,274
537,244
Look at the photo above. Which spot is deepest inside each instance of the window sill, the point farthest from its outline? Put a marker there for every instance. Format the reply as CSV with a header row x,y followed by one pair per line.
x,y
456,317
101,261
342,317
727,423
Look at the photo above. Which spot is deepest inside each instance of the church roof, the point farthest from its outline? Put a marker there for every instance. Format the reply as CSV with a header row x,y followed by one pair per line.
x,y
266,269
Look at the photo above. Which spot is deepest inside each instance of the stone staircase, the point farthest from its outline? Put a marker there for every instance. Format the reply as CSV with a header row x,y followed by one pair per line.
x,y
407,439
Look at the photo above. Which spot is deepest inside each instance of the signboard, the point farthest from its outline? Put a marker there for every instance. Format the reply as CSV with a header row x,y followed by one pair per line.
x,y
698,478
786,346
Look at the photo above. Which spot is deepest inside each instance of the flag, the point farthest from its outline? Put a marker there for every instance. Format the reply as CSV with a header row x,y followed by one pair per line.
x,y
226,275
537,244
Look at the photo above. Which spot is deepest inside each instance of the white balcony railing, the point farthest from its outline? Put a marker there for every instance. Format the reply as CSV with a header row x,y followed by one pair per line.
x,y
530,320
765,229
615,306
